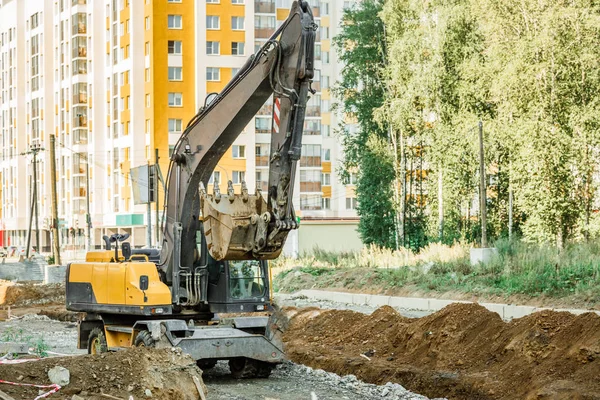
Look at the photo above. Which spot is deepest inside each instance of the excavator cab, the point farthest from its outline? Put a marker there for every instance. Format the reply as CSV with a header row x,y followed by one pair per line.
x,y
235,286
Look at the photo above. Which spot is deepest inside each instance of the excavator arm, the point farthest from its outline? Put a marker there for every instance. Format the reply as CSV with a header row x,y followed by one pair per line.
x,y
241,226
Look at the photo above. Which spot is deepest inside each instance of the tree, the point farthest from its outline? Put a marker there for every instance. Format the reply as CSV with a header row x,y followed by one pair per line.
x,y
361,49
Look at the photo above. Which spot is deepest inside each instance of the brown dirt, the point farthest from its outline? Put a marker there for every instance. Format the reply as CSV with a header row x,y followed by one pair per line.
x,y
25,294
166,373
461,352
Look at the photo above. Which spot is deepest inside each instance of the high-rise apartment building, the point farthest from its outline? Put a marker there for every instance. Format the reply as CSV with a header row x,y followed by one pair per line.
x,y
116,80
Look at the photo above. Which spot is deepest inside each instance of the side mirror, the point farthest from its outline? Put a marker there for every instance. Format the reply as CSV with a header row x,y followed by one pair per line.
x,y
144,283
126,250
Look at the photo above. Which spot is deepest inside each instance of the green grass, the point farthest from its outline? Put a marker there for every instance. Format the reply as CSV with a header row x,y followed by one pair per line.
x,y
518,268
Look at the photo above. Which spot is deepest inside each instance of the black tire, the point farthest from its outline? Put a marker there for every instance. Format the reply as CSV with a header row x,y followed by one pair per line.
x,y
144,339
97,342
205,365
243,368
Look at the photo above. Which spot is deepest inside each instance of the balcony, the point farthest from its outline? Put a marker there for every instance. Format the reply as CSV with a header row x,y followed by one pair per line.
x,y
313,111
310,186
310,161
262,161
263,33
264,7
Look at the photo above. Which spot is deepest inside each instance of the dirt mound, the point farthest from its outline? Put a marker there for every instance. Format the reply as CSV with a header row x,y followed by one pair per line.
x,y
461,352
25,294
167,374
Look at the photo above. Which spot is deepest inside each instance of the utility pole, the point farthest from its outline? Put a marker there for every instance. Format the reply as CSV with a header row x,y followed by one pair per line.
x,y
34,149
156,172
482,194
88,218
55,243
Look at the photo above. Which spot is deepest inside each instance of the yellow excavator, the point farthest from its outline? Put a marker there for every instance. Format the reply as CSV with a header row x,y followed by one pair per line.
x,y
200,290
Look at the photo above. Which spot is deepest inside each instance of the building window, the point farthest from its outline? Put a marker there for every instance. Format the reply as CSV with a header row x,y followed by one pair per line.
x,y
351,203
174,21
326,154
238,177
237,23
212,22
311,155
212,48
215,178
174,47
310,202
325,131
147,100
237,48
147,21
175,73
147,48
326,179
173,1
175,99
234,71
237,1
147,73
326,203
351,179
213,74
175,125
238,151
212,1
147,126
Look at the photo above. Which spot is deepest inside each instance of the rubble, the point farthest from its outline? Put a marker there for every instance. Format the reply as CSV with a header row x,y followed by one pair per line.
x,y
137,372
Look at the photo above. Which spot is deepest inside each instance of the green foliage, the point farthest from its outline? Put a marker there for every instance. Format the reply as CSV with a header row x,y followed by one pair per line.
x,y
361,47
37,345
530,70
519,268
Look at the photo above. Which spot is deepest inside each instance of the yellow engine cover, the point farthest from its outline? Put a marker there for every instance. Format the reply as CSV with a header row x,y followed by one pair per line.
x,y
94,284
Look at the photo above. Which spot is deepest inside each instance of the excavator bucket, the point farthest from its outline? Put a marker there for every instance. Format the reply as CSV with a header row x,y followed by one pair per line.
x,y
231,222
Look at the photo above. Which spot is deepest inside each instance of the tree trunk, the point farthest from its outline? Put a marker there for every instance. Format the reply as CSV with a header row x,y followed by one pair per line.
x,y
440,206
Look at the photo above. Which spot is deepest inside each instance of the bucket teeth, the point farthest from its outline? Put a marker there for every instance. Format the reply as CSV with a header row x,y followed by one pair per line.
x,y
230,192
216,192
244,192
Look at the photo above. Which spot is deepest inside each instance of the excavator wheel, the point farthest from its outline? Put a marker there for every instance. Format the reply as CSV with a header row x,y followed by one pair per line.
x,y
144,339
247,368
206,364
97,342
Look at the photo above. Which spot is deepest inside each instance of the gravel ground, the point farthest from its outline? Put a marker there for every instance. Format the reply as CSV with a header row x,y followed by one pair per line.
x,y
288,381
291,381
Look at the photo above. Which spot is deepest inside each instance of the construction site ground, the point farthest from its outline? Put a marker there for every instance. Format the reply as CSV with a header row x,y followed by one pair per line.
x,y
36,314
343,351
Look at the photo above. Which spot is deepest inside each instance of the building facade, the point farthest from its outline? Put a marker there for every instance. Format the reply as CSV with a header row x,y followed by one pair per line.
x,y
116,81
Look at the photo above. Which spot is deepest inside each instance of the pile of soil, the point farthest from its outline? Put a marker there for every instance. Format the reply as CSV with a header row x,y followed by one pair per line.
x,y
27,294
461,352
168,374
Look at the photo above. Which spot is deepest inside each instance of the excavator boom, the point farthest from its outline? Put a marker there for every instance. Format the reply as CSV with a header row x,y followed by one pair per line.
x,y
242,226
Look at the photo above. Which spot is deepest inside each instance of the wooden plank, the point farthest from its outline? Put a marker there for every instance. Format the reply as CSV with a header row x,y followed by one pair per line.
x,y
4,396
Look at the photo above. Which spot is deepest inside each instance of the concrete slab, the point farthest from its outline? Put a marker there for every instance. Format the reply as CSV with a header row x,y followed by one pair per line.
x,y
438,304
359,298
512,311
495,307
377,300
409,303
